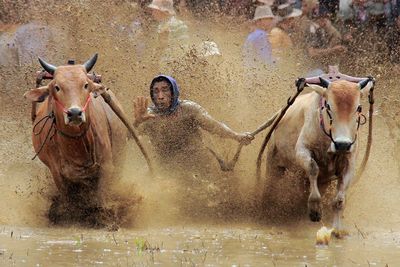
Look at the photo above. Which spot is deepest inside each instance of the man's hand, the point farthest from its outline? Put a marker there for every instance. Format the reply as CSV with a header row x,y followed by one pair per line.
x,y
140,105
245,138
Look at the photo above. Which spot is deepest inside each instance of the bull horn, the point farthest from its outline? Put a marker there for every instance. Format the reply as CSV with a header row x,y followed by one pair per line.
x,y
324,82
47,67
90,63
363,83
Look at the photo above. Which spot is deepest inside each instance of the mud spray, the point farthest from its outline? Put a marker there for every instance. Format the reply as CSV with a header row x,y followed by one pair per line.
x,y
128,62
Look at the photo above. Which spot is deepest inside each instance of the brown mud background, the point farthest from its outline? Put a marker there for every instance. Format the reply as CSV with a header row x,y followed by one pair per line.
x,y
219,85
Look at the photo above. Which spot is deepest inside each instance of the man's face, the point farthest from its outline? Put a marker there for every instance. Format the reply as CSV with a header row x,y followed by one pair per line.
x,y
266,23
322,21
162,95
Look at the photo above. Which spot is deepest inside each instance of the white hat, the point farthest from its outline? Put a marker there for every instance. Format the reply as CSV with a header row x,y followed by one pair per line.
x,y
209,48
263,12
163,5
267,2
286,11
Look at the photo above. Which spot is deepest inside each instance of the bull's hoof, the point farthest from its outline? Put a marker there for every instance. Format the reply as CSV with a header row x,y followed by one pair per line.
x,y
315,216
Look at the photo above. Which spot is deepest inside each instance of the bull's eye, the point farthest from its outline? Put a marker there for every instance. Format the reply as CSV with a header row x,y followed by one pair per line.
x,y
57,88
86,86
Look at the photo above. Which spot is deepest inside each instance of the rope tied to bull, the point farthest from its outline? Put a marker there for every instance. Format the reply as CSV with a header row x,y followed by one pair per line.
x,y
230,165
53,125
48,75
371,101
334,75
46,118
300,84
323,105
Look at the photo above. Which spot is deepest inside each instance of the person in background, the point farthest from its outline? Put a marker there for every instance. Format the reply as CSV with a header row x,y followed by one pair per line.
x,y
282,35
257,50
173,38
393,43
323,43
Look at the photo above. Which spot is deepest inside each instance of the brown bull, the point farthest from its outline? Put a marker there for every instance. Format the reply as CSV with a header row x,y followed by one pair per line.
x,y
77,136
318,134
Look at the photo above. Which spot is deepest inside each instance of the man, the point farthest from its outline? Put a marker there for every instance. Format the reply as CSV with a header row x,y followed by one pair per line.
x,y
173,126
282,35
257,51
173,38
393,43
323,42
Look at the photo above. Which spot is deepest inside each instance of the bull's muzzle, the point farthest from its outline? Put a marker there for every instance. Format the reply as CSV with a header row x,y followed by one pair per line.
x,y
75,116
342,146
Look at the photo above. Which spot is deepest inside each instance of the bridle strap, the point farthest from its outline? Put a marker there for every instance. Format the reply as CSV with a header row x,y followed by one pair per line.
x,y
51,117
322,106
61,106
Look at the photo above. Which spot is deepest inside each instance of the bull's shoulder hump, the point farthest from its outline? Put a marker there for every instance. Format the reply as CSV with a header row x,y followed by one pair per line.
x,y
307,99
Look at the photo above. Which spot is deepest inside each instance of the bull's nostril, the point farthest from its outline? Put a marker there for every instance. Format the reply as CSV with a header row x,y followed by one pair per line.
x,y
74,112
343,146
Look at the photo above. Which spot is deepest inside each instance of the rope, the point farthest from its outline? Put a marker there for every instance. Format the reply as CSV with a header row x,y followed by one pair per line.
x,y
300,83
46,119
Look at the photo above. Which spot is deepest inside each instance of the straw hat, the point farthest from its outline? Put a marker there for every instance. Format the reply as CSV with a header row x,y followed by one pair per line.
x,y
163,5
263,12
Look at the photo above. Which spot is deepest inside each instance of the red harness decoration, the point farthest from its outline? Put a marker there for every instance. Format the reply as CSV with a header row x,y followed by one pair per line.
x,y
60,105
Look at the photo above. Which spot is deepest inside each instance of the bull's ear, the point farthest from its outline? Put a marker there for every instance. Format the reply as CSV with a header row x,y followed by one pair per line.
x,y
97,89
316,88
37,94
365,86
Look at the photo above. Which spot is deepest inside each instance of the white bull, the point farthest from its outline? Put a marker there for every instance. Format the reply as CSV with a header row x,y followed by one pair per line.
x,y
319,135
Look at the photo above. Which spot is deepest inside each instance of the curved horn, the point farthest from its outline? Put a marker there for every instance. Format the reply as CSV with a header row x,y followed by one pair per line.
x,y
324,82
47,67
364,82
90,63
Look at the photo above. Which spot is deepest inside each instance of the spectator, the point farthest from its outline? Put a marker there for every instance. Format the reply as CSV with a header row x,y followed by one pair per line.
x,y
172,33
257,49
282,35
323,41
393,42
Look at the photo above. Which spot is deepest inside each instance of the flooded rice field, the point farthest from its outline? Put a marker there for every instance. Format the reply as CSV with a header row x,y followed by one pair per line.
x,y
206,218
228,245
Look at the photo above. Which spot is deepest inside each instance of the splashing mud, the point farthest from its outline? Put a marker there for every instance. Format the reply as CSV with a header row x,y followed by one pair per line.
x,y
246,219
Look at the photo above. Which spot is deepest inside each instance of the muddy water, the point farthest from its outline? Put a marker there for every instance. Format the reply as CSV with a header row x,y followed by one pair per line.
x,y
218,220
228,245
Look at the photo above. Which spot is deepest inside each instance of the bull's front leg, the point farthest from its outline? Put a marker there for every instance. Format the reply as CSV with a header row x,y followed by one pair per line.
x,y
339,201
305,160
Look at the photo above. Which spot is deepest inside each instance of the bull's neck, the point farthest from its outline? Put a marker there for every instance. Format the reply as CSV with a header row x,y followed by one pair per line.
x,y
80,151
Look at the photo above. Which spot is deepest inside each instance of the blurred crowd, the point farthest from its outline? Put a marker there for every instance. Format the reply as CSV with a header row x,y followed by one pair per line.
x,y
322,30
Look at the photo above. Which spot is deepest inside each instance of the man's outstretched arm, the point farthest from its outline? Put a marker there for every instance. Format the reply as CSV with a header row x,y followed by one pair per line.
x,y
213,126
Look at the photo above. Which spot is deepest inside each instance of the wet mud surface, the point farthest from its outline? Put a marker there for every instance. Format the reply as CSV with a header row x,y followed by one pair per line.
x,y
211,218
